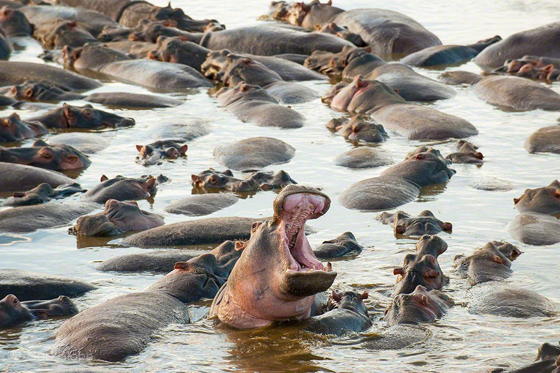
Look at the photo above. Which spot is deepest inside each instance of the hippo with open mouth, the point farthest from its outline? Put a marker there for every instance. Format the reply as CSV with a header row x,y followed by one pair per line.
x,y
277,275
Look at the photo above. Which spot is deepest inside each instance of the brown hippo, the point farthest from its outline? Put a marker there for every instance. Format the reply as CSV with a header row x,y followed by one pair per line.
x,y
252,103
541,41
467,153
415,226
122,189
15,23
420,306
507,91
12,128
356,129
545,200
14,312
118,218
43,155
164,149
389,109
61,33
124,325
16,177
398,184
86,116
42,194
343,245
253,181
349,62
277,276
422,267
544,140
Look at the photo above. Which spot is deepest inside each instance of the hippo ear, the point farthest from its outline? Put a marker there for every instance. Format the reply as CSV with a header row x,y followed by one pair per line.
x,y
479,155
228,172
363,296
152,56
396,91
329,3
139,147
497,259
336,296
548,68
194,179
40,314
526,68
557,193
150,183
103,178
398,271
28,93
183,149
182,265
266,187
318,27
240,245
446,226
72,159
516,201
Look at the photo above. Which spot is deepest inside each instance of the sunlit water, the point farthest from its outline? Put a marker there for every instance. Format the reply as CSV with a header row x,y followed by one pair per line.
x,y
459,342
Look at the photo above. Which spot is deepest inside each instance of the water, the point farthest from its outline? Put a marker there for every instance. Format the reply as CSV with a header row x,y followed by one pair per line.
x,y
459,342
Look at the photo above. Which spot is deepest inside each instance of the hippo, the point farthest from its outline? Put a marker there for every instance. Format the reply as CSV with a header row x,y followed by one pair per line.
x,y
201,204
422,267
363,157
544,140
346,313
253,104
286,69
285,287
132,100
408,226
43,155
535,229
185,130
270,41
122,189
545,200
390,34
5,46
27,219
342,32
349,62
61,33
124,325
12,73
155,262
15,23
146,30
179,50
130,13
27,285
547,361
253,181
117,218
492,262
88,143
389,109
91,58
467,153
420,306
442,56
507,91
253,153
195,232
42,193
155,152
398,184
546,73
239,69
12,128
344,245
356,129
16,177
68,116
541,41
42,91
14,312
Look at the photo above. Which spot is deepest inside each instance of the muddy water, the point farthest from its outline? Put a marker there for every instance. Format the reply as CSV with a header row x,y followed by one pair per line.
x,y
459,342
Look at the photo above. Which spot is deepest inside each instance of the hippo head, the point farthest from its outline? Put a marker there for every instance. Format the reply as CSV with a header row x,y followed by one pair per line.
x,y
427,166
421,268
13,129
545,200
244,69
420,306
175,50
60,157
424,223
15,22
113,33
12,312
467,153
358,129
227,96
269,180
212,179
31,91
166,149
365,96
214,64
183,21
88,117
61,306
349,300
490,263
63,33
324,62
151,31
42,193
342,32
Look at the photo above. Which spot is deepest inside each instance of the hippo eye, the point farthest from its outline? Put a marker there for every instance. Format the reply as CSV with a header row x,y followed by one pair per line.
x,y
7,122
214,180
15,301
254,227
46,155
88,113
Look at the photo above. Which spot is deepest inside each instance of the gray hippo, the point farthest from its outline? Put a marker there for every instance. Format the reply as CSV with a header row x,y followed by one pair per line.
x,y
14,22
467,152
15,177
86,116
541,41
224,180
344,245
545,200
507,91
14,129
61,33
363,157
155,262
356,129
122,189
284,287
201,204
398,184
544,140
349,62
43,155
251,103
155,152
253,153
389,109
42,193
124,325
547,361
88,143
405,225
117,218
14,312
420,306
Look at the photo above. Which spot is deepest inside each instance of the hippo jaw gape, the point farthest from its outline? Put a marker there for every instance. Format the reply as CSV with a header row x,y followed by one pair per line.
x,y
277,275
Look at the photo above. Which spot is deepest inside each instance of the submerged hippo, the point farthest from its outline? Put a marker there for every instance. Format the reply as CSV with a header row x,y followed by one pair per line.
x,y
535,229
61,33
43,155
507,91
42,194
118,218
466,153
356,129
349,62
201,204
253,153
343,245
545,200
14,312
277,276
415,226
422,267
398,184
363,157
389,109
16,177
544,140
85,116
420,306
547,361
541,41
88,143
15,23
12,128
342,32
42,91
253,104
212,179
155,262
124,325
122,189
346,313
164,149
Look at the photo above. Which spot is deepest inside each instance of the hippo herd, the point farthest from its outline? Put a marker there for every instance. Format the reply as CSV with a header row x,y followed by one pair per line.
x,y
261,271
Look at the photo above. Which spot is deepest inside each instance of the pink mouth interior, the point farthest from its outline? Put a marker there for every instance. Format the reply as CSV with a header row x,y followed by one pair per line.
x,y
296,210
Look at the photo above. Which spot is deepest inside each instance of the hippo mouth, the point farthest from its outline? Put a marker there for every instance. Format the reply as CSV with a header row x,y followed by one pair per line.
x,y
305,275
